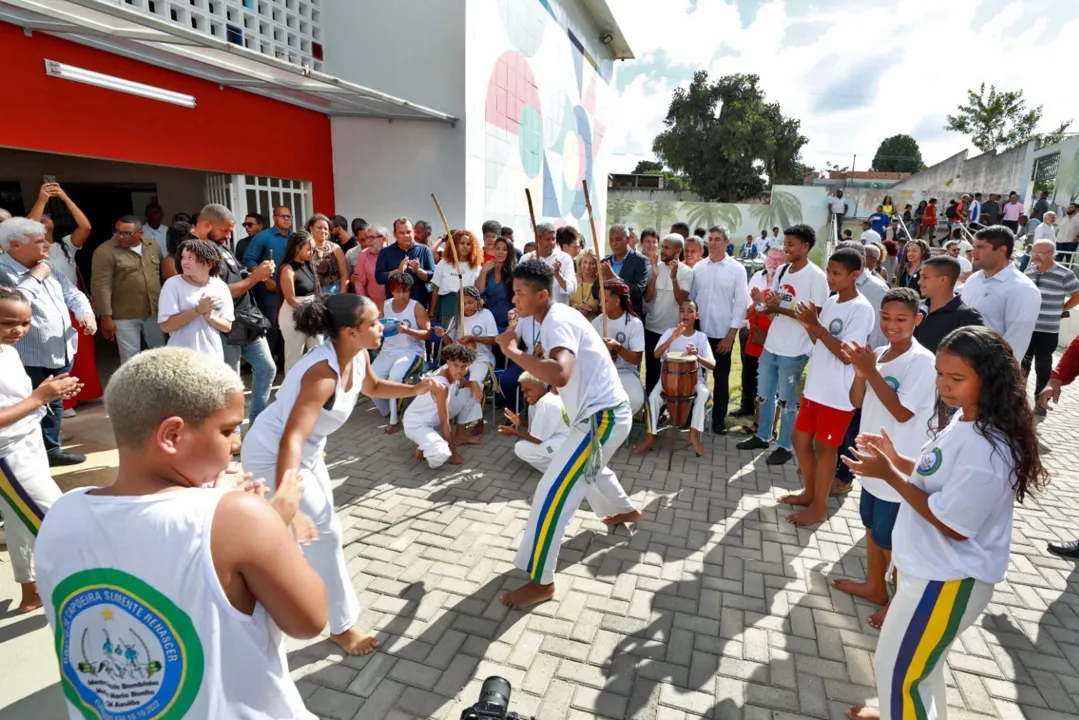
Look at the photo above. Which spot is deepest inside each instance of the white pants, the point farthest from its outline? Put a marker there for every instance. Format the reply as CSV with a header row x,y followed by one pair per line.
x,y
478,371
130,334
538,455
697,414
564,485
394,366
436,449
631,381
27,491
296,343
325,555
924,619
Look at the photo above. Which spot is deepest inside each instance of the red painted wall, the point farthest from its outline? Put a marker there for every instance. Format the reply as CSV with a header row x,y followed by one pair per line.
x,y
228,130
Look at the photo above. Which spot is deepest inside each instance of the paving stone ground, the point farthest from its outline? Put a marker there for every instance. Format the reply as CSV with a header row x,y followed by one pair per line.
x,y
713,607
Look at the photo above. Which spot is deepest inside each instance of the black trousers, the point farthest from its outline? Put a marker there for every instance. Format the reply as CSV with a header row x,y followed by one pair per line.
x,y
653,366
749,373
721,391
1040,354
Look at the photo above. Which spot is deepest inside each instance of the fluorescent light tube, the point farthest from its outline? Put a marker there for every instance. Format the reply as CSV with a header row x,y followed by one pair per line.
x,y
111,82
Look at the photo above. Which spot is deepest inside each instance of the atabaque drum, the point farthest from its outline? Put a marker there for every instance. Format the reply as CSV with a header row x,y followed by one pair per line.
x,y
679,382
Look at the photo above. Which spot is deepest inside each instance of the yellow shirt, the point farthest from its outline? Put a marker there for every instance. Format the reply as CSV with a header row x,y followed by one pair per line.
x,y
583,296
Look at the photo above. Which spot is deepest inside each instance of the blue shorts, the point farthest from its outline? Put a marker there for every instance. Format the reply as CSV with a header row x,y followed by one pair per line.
x,y
878,517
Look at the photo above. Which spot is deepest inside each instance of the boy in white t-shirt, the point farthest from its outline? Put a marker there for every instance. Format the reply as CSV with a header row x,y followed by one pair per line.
x,y
548,424
682,338
196,306
787,347
453,400
895,386
826,410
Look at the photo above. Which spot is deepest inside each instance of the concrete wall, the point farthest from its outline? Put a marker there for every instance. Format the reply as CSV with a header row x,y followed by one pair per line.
x,y
536,113
645,195
414,50
178,190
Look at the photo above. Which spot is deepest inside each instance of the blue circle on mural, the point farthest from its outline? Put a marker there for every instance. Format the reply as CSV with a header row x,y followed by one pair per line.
x,y
525,22
530,142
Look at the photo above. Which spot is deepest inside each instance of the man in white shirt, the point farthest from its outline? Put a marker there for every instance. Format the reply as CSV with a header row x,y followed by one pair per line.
x,y
787,347
669,286
1068,233
722,297
869,235
965,267
838,205
153,229
1047,229
565,276
1007,300
762,244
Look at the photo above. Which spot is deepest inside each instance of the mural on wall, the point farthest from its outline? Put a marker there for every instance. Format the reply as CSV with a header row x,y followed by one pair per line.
x,y
790,204
542,129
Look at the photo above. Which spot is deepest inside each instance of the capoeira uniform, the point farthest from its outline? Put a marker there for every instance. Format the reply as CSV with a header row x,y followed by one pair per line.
x,y
480,324
401,356
600,421
629,331
259,457
27,489
700,402
422,424
944,584
142,625
548,423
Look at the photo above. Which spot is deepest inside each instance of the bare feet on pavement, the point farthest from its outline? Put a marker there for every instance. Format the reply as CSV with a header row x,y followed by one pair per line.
x,y
799,499
30,601
645,443
354,642
875,595
467,440
419,455
876,620
863,712
623,518
391,429
807,517
527,596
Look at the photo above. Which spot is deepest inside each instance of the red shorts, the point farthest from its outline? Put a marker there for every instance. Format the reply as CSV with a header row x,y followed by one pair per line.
x,y
828,424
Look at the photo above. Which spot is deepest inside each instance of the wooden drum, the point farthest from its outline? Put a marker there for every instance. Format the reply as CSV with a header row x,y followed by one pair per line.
x,y
679,382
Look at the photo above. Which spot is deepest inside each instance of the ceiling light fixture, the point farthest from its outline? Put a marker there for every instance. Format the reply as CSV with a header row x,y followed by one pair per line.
x,y
111,82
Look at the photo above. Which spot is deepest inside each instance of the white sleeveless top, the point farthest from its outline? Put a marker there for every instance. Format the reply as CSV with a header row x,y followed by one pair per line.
x,y
143,627
261,445
423,410
402,344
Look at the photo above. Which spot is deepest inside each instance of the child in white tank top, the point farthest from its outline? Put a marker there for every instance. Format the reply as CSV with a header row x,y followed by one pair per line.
x,y
402,354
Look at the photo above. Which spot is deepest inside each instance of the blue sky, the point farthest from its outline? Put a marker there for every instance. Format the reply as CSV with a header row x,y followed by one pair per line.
x,y
853,71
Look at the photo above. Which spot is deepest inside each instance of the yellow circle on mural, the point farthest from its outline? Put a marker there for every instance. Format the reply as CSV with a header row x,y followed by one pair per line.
x,y
571,159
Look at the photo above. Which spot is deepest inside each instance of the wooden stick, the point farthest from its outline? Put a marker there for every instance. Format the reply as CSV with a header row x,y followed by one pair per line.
x,y
532,216
595,248
457,266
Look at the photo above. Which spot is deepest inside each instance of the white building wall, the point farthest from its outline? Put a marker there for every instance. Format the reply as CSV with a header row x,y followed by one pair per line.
x,y
536,113
414,50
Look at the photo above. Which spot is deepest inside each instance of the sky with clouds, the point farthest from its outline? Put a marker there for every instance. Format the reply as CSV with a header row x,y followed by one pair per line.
x,y
853,71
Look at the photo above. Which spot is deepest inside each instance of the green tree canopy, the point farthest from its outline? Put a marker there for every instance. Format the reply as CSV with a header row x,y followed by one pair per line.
x,y
1001,120
899,153
647,166
725,155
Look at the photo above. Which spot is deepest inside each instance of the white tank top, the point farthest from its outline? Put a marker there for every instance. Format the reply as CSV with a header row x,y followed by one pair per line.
x,y
261,445
143,627
423,410
402,344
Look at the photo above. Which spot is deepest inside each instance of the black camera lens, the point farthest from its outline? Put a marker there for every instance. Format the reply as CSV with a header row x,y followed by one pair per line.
x,y
495,691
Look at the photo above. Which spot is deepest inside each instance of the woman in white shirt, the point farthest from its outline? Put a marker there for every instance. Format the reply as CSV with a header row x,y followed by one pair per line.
x,y
447,281
196,306
953,534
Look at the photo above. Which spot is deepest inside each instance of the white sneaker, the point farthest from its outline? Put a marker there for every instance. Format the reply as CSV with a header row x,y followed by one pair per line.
x,y
69,413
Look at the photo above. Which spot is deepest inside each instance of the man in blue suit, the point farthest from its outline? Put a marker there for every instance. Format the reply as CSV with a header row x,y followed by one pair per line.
x,y
629,265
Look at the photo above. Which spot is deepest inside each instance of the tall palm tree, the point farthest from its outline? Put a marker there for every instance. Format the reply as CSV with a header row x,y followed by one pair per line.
x,y
619,210
706,215
784,210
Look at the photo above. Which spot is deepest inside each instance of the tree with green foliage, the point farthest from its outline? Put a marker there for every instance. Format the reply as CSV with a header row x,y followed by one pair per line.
x,y
899,153
647,166
1001,120
725,155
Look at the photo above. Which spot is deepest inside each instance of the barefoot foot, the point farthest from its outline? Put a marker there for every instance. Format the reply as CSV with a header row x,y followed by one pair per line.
x,y
876,620
799,499
467,440
874,594
863,712
646,442
477,429
527,596
698,446
30,599
391,429
623,518
354,642
807,517
419,455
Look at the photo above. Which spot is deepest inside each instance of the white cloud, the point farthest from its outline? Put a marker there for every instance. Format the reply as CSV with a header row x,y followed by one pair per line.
x,y
854,71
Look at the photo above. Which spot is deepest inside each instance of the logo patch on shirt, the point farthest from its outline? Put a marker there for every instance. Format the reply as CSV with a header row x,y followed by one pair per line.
x,y
620,337
836,327
930,462
892,383
126,651
477,330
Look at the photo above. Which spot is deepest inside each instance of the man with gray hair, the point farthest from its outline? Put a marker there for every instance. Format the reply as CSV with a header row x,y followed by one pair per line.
x,y
48,349
361,263
172,411
1059,290
627,264
565,275
669,286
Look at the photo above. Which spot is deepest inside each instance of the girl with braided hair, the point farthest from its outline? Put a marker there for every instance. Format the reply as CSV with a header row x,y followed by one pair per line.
x,y
624,338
